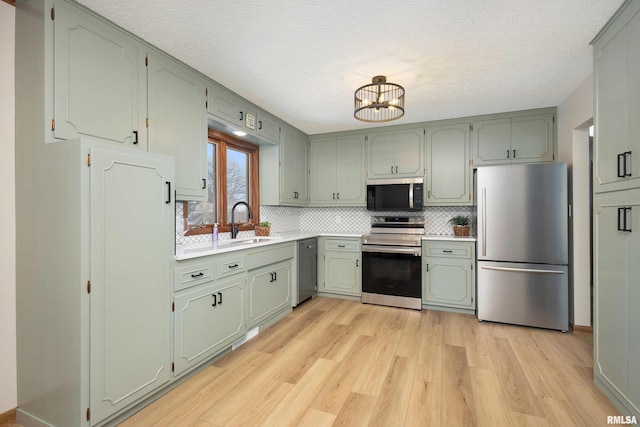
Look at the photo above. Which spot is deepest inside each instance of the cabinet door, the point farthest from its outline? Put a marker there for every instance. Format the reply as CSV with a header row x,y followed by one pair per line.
x,y
409,153
532,139
381,159
448,282
633,102
349,164
396,154
322,168
178,124
99,80
633,250
611,295
225,105
448,169
269,292
207,320
293,178
491,141
130,317
342,273
268,128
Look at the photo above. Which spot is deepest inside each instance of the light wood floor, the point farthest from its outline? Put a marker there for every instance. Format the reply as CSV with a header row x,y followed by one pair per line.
x,y
341,363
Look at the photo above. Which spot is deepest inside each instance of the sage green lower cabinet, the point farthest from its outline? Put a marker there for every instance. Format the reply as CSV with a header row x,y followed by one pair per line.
x,y
616,295
270,292
269,282
208,319
339,270
448,274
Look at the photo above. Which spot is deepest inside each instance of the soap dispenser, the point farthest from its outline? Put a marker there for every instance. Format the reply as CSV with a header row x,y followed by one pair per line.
x,y
215,232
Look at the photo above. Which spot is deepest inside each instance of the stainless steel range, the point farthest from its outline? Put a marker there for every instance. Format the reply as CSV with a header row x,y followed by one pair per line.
x,y
392,262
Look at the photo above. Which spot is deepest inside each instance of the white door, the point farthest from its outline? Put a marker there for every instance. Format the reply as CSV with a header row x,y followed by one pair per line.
x,y
132,214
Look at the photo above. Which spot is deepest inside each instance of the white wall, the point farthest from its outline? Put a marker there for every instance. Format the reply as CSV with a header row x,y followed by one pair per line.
x,y
8,399
575,115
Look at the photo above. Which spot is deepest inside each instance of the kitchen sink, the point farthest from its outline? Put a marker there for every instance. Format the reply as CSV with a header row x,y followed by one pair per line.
x,y
252,240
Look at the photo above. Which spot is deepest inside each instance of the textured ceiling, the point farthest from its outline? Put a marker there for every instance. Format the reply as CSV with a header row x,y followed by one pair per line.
x,y
303,59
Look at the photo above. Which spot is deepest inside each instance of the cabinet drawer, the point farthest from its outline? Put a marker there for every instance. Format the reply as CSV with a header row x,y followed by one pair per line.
x,y
448,250
193,274
270,255
345,245
231,265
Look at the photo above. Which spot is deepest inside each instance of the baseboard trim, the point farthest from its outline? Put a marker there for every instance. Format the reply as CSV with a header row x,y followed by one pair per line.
x,y
585,329
8,418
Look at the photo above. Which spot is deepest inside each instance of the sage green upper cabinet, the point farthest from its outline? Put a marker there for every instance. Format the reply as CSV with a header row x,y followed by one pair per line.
x,y
294,146
99,80
448,168
268,127
514,139
617,92
178,123
395,154
337,175
283,170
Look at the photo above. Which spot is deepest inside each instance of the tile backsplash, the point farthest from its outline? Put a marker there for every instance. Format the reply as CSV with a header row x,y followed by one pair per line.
x,y
330,219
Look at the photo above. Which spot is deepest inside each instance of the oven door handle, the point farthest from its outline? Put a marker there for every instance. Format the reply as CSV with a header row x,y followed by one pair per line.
x,y
408,250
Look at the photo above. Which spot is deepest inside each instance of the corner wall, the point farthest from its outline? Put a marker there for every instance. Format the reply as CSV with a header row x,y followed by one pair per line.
x,y
8,397
575,115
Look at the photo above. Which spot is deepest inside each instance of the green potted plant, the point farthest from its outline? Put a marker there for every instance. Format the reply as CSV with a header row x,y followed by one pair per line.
x,y
263,229
461,225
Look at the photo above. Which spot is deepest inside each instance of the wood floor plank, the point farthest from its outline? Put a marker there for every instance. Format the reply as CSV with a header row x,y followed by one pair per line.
x,y
525,420
515,386
257,410
590,404
294,405
429,364
458,407
356,411
475,343
560,412
425,403
490,406
378,362
334,394
391,405
315,418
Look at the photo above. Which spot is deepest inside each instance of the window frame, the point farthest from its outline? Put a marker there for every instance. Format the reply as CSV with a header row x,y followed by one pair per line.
x,y
222,142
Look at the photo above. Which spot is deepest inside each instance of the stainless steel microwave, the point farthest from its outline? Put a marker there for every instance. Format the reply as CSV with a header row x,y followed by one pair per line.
x,y
402,194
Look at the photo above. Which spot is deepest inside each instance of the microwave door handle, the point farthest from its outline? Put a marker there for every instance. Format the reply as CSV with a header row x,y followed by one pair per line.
x,y
411,206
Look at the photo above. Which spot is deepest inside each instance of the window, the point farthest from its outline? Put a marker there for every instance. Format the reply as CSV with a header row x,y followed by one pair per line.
x,y
232,178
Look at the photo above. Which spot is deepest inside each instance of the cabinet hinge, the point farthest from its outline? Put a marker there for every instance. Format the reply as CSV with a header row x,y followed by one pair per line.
x,y
471,300
146,122
173,367
470,128
146,61
471,162
553,157
173,306
53,14
472,266
554,119
206,91
88,414
89,160
206,104
88,286
53,125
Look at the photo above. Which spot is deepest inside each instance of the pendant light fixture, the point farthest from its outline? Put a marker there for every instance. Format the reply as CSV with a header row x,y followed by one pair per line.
x,y
379,101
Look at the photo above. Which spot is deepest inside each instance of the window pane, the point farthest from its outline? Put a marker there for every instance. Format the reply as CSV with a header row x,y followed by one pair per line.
x,y
205,212
237,183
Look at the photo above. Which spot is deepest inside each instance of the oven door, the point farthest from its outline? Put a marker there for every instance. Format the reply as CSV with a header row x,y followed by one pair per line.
x,y
392,270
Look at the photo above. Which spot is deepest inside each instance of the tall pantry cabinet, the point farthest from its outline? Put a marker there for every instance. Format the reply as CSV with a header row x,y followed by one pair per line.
x,y
94,223
617,208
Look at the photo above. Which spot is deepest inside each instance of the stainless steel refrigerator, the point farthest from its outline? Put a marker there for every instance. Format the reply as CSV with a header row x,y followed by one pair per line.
x,y
523,251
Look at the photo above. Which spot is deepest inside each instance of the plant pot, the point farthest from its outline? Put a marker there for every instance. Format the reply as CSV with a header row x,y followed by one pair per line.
x,y
262,231
461,230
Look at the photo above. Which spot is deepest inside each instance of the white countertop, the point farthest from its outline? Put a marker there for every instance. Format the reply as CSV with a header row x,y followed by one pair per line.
x,y
229,245
449,238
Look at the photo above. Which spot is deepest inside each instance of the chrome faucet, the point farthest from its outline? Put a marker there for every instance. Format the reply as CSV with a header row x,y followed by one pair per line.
x,y
234,231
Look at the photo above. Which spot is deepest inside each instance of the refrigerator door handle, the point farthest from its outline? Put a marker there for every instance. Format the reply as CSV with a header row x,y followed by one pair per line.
x,y
484,221
522,270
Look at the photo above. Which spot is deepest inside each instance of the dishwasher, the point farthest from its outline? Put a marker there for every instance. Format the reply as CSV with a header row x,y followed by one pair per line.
x,y
307,269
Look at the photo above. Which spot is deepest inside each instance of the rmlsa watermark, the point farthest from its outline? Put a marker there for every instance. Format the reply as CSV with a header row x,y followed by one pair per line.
x,y
621,419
